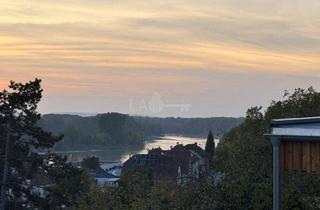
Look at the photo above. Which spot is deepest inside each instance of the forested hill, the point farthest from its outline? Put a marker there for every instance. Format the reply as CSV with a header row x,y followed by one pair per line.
x,y
95,132
119,130
198,127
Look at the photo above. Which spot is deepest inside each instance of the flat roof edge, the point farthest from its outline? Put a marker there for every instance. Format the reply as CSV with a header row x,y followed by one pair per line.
x,y
293,137
290,121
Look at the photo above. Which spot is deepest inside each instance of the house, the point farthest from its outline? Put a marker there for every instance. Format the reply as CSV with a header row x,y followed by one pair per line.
x,y
116,170
106,179
108,165
155,162
38,184
180,163
296,148
201,159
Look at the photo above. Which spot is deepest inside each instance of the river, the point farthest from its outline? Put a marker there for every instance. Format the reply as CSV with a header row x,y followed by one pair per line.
x,y
112,155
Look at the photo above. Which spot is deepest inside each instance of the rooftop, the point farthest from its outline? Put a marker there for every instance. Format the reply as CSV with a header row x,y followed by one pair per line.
x,y
105,175
292,121
307,128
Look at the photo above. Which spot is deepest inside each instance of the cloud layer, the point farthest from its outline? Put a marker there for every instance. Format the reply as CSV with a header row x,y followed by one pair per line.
x,y
188,51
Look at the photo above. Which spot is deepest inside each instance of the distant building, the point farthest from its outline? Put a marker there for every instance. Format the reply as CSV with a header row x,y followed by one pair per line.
x,y
106,179
108,165
179,163
38,184
116,170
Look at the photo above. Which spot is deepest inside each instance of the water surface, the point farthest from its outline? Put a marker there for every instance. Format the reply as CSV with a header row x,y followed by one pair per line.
x,y
122,154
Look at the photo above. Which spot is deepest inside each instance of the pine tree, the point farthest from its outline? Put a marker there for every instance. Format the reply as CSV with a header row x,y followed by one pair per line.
x,y
20,137
210,146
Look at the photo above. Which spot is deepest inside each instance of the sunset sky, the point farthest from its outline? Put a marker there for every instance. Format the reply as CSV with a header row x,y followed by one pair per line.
x,y
219,57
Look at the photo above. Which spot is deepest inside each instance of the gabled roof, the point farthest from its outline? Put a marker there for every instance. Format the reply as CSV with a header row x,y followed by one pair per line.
x,y
105,175
115,167
194,147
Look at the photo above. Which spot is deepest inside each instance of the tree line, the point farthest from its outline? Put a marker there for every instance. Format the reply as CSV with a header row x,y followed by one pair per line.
x,y
197,127
102,131
119,130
